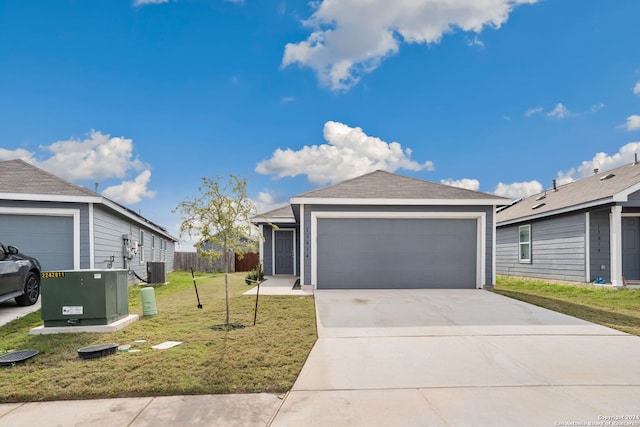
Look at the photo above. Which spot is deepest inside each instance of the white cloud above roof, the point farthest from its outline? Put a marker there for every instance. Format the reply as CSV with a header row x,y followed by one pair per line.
x,y
146,2
632,123
467,183
350,37
560,112
131,191
601,161
518,189
636,89
348,153
97,157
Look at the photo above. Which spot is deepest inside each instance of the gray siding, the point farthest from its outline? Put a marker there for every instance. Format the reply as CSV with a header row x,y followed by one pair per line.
x,y
600,253
488,210
109,229
557,249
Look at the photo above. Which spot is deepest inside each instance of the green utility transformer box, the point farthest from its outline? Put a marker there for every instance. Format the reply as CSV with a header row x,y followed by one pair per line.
x,y
84,297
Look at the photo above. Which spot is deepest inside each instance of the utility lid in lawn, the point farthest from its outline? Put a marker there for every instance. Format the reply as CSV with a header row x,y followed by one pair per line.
x,y
167,344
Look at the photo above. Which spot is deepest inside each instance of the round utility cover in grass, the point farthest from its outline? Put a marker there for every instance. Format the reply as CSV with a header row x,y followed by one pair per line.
x,y
97,351
17,357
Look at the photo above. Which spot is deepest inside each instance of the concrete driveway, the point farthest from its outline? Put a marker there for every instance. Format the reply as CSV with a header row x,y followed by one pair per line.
x,y
9,310
460,357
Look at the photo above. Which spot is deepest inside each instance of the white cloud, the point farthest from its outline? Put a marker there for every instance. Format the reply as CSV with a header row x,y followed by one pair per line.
x,y
636,89
633,122
287,99
97,157
266,202
19,153
518,189
601,161
349,152
146,2
533,110
131,191
559,112
351,37
596,107
468,183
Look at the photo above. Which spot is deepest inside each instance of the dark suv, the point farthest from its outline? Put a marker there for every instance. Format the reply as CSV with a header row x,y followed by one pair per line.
x,y
19,276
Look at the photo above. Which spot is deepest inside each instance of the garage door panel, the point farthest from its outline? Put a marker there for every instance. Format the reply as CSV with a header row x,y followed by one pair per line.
x,y
47,238
370,253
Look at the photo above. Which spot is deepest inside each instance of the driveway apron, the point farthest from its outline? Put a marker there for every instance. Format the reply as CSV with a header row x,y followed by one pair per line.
x,y
460,357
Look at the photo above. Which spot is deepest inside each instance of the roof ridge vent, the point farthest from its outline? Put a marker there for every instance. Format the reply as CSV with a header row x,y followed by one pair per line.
x,y
607,176
541,197
539,205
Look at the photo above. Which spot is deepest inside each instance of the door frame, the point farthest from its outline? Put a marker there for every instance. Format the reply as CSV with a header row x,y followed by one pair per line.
x,y
273,248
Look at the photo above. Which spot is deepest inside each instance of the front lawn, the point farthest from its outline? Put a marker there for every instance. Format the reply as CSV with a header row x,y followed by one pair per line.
x,y
262,358
617,309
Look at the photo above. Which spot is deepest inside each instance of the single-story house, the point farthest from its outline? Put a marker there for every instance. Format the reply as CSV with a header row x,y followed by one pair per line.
x,y
383,230
68,227
581,231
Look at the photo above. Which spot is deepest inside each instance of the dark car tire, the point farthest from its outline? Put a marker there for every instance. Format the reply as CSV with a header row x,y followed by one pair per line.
x,y
31,290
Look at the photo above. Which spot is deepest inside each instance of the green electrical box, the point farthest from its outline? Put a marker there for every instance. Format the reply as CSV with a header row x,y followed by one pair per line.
x,y
84,297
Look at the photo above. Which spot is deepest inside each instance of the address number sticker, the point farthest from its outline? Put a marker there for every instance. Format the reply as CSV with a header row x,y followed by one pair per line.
x,y
72,310
52,274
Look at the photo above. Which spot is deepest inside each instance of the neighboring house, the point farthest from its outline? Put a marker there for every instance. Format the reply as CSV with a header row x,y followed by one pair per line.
x,y
575,232
383,230
68,227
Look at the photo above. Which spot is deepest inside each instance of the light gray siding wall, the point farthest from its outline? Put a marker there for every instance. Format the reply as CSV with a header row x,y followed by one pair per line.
x,y
84,221
557,249
488,210
109,229
600,254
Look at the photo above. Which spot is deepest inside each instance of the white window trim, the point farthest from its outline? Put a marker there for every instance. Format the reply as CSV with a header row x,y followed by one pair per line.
x,y
273,248
481,238
141,247
524,260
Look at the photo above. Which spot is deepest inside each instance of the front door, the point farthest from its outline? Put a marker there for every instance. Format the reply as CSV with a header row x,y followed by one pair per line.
x,y
284,251
630,252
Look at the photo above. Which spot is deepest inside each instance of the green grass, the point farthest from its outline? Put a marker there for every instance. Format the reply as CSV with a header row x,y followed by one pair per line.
x,y
617,309
263,358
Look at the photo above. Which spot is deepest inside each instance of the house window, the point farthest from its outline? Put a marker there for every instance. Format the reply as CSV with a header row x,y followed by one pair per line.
x,y
141,247
524,243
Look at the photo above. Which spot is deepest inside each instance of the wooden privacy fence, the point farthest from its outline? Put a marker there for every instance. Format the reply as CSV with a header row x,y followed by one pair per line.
x,y
185,260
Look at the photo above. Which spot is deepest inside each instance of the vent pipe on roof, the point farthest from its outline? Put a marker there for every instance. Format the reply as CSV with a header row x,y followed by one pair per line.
x,y
595,171
554,185
96,184
635,161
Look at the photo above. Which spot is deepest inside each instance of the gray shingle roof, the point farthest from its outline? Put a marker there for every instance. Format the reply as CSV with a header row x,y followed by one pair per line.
x,y
284,212
18,176
575,195
386,185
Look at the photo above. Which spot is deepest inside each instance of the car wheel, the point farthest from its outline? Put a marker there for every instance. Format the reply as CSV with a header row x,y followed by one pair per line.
x,y
31,290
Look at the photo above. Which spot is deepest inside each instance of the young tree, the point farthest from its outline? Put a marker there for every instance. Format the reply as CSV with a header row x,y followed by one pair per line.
x,y
219,218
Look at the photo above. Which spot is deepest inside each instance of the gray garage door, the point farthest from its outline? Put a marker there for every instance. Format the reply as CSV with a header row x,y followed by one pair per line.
x,y
48,238
396,253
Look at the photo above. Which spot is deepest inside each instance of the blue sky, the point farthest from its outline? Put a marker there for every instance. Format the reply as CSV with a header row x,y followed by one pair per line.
x,y
147,96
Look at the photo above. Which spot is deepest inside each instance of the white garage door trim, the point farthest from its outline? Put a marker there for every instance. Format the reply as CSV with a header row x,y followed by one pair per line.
x,y
480,217
74,213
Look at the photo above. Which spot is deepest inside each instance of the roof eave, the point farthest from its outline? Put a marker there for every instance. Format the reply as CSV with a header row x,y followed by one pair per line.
x,y
50,198
554,212
272,220
398,202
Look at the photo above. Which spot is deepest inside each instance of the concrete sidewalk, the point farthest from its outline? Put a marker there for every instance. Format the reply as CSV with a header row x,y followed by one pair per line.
x,y
206,410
